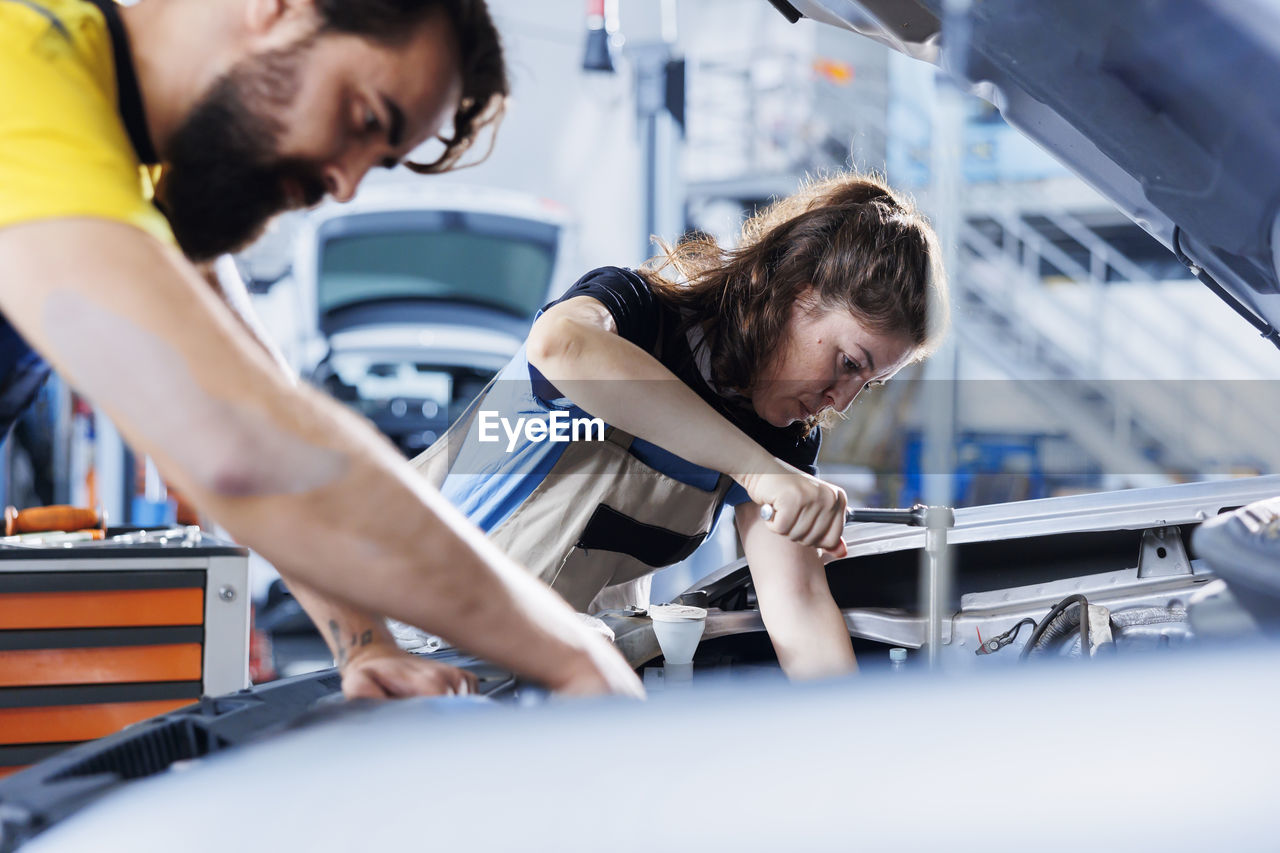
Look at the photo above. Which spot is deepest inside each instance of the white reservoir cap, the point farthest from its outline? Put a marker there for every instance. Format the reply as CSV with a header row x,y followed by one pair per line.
x,y
678,628
677,613
897,654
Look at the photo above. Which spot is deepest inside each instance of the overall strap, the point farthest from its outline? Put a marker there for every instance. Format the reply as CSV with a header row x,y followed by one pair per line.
x,y
618,437
438,459
723,486
128,90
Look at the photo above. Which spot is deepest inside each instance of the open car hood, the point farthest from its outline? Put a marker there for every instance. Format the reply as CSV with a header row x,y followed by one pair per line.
x,y
1167,108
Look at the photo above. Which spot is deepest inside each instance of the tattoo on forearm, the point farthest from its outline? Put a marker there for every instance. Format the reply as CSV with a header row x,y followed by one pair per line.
x,y
344,649
339,650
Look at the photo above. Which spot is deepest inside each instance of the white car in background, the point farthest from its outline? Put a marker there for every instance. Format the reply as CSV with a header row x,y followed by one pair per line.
x,y
404,302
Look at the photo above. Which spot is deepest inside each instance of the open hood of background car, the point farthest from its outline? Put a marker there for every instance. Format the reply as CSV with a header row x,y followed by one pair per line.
x,y
1166,108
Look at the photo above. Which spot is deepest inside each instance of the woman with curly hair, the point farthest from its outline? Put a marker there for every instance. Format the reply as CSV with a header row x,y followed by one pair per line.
x,y
714,370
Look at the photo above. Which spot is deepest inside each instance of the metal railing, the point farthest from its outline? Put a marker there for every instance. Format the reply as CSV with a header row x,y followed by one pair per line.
x,y
1161,418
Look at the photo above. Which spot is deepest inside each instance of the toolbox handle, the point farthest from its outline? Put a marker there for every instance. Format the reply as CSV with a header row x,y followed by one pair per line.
x,y
45,518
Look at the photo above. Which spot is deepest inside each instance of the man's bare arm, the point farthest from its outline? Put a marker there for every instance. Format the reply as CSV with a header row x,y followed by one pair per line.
x,y
288,472
373,666
371,663
223,276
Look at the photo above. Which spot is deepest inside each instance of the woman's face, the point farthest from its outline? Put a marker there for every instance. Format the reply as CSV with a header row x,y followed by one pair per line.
x,y
825,358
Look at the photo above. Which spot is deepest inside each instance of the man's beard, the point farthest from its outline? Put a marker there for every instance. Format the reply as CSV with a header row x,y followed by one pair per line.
x,y
223,179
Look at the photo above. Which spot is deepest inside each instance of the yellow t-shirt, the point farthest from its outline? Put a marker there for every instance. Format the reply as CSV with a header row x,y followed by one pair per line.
x,y
64,149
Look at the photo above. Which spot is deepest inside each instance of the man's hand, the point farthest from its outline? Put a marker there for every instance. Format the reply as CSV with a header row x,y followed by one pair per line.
x,y
372,665
386,672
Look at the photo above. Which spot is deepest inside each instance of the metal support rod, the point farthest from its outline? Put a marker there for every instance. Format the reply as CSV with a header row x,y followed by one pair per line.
x,y
940,430
934,548
938,521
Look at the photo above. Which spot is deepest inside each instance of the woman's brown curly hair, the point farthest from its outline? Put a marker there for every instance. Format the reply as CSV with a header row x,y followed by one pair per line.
x,y
861,246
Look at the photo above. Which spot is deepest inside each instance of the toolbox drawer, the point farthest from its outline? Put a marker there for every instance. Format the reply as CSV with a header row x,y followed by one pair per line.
x,y
92,640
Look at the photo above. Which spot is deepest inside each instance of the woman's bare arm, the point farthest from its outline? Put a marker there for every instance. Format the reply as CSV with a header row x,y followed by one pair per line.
x,y
805,625
575,345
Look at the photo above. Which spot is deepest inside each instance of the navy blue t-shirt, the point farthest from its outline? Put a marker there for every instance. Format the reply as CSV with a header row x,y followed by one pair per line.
x,y
22,374
654,326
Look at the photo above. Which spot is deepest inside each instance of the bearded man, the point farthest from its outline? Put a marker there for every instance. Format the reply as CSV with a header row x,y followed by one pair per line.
x,y
136,142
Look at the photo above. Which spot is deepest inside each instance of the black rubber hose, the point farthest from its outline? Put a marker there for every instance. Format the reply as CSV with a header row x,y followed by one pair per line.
x,y
1013,632
1037,639
1065,624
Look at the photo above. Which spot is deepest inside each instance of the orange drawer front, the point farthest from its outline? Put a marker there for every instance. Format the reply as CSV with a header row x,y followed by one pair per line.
x,y
179,662
77,722
100,609
9,771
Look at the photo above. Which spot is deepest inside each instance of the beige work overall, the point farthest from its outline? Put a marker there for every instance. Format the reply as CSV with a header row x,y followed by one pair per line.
x,y
600,523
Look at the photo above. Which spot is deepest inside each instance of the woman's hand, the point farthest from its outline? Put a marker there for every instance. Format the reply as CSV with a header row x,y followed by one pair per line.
x,y
805,509
575,345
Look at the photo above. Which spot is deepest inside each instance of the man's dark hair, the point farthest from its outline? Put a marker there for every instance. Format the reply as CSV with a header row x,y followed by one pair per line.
x,y
484,73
